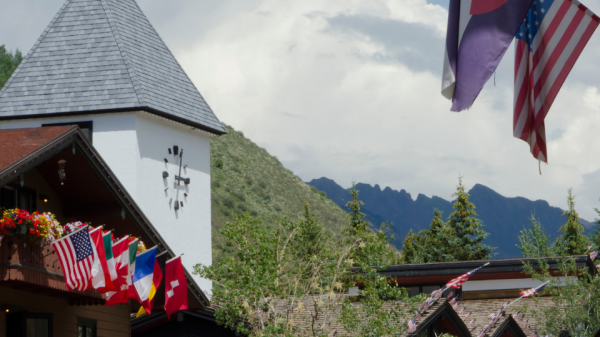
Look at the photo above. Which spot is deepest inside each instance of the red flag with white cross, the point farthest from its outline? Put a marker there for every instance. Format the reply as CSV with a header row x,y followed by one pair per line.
x,y
176,292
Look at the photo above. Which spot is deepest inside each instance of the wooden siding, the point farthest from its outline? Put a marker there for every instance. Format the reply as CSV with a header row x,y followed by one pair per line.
x,y
112,321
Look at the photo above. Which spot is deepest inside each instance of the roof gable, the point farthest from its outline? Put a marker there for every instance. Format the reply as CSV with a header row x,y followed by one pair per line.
x,y
103,55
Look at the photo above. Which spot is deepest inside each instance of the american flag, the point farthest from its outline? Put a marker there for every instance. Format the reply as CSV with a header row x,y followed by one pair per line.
x,y
412,326
533,291
505,305
437,294
534,334
548,43
593,254
468,314
483,331
472,321
450,294
456,305
527,326
417,317
522,317
76,256
461,310
516,314
492,316
453,300
473,328
459,281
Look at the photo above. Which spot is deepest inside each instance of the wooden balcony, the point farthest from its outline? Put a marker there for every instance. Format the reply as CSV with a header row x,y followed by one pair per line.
x,y
35,268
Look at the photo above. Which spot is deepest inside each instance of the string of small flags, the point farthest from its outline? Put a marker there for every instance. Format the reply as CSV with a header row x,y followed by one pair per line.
x,y
437,294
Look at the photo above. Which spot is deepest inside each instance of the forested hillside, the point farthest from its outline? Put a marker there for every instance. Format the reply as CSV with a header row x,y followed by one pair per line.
x,y
8,63
246,178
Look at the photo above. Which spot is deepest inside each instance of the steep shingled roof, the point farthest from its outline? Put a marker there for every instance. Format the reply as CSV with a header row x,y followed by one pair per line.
x,y
103,55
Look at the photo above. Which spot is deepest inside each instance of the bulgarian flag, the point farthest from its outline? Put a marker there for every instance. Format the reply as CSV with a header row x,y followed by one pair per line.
x,y
143,277
133,247
159,266
110,260
121,256
101,279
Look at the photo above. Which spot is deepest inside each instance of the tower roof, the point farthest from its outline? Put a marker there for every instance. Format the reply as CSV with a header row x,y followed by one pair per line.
x,y
103,56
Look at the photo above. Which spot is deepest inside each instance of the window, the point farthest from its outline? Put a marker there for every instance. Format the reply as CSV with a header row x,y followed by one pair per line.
x,y
86,327
26,324
86,127
14,196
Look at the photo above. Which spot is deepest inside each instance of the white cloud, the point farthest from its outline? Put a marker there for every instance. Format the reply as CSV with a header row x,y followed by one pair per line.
x,y
349,89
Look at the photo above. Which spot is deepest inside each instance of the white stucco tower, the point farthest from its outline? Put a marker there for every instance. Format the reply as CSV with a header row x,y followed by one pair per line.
x,y
101,64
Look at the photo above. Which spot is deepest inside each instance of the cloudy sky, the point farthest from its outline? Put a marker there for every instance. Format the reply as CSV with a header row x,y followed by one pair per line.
x,y
350,90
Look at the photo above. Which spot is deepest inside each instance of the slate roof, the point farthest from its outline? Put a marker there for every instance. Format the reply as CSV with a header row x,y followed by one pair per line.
x,y
101,56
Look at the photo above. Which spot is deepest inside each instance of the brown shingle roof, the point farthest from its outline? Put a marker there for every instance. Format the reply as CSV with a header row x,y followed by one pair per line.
x,y
18,143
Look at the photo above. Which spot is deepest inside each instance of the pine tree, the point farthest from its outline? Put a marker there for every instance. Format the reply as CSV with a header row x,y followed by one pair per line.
x,y
573,241
357,224
534,242
428,245
463,230
595,235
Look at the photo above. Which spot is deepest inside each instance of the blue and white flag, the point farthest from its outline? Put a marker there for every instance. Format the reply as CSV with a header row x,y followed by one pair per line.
x,y
143,274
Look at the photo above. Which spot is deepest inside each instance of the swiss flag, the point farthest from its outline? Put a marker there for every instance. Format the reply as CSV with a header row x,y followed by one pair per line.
x,y
176,294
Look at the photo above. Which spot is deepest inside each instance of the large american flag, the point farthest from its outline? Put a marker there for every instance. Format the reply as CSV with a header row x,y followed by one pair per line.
x,y
459,281
76,256
548,43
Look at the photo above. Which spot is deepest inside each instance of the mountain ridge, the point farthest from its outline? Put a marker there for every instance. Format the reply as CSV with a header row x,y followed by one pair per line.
x,y
503,217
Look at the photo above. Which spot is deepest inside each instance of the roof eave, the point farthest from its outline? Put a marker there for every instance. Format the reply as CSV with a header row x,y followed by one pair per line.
x,y
119,110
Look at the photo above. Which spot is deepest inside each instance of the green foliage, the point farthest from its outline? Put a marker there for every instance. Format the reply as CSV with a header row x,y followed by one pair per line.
x,y
429,245
572,241
595,234
244,177
534,242
575,306
292,278
463,230
8,64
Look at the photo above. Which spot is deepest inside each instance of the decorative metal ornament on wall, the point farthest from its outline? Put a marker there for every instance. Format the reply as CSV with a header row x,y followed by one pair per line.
x,y
62,175
177,179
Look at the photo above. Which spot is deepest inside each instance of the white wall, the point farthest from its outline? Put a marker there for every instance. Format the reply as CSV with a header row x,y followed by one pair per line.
x,y
134,146
521,283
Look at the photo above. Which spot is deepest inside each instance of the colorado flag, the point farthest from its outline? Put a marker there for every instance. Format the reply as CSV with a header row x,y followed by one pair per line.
x,y
143,275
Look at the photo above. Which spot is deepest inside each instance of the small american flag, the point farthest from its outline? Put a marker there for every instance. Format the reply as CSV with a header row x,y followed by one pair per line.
x,y
459,281
468,314
533,291
437,294
548,43
534,334
412,326
456,305
472,321
522,317
417,317
453,300
473,329
483,331
516,315
492,316
461,310
428,300
76,256
593,254
505,305
589,247
450,294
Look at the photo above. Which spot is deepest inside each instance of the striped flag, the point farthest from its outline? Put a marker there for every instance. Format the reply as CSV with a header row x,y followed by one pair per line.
x,y
456,305
76,256
453,300
593,254
472,321
133,248
412,326
417,317
473,328
522,317
516,315
461,310
450,294
534,334
468,314
505,305
459,281
533,291
492,316
548,43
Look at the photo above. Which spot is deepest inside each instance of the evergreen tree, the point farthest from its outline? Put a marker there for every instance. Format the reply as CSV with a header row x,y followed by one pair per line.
x,y
573,241
463,230
595,235
428,245
534,242
357,224
8,63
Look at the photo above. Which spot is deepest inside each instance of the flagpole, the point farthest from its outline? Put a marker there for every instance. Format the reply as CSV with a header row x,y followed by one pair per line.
x,y
515,301
174,258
